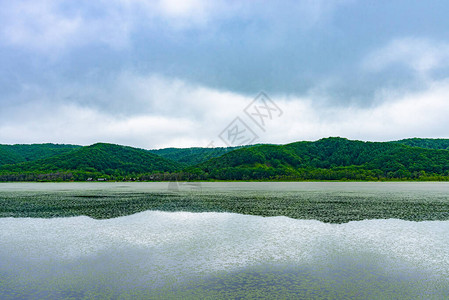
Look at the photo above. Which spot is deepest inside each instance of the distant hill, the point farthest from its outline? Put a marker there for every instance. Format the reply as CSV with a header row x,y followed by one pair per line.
x,y
425,143
108,159
8,157
193,156
327,159
13,154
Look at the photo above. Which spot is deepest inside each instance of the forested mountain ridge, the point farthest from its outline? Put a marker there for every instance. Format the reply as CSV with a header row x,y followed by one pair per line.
x,y
325,159
8,157
195,155
442,144
330,158
13,154
100,158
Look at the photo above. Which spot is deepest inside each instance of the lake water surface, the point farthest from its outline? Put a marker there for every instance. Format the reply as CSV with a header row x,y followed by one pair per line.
x,y
155,254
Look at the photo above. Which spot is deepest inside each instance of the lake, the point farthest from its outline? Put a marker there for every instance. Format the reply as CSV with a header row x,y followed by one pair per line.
x,y
170,252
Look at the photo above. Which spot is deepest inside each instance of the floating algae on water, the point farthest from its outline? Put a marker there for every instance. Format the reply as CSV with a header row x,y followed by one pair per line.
x,y
324,201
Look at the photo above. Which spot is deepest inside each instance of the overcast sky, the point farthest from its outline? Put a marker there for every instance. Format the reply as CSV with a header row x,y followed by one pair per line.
x,y
165,73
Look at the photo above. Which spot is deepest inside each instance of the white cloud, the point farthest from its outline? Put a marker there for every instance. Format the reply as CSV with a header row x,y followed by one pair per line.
x,y
50,26
36,24
178,114
400,115
163,112
70,123
188,11
420,55
185,14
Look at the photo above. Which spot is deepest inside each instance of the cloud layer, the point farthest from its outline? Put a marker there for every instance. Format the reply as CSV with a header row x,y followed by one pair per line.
x,y
161,112
176,73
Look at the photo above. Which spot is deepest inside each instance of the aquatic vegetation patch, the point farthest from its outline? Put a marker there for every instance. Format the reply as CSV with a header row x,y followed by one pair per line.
x,y
331,206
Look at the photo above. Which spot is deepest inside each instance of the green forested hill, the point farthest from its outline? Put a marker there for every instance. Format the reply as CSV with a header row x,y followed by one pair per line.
x,y
8,157
193,156
330,158
325,159
196,155
426,143
101,158
12,154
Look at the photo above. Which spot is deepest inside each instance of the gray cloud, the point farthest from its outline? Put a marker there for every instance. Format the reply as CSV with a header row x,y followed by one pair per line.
x,y
143,63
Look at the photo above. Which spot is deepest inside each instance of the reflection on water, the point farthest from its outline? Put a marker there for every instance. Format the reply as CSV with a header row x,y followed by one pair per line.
x,y
220,255
358,281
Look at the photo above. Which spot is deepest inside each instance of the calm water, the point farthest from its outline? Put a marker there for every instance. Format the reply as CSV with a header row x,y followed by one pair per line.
x,y
156,254
354,187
